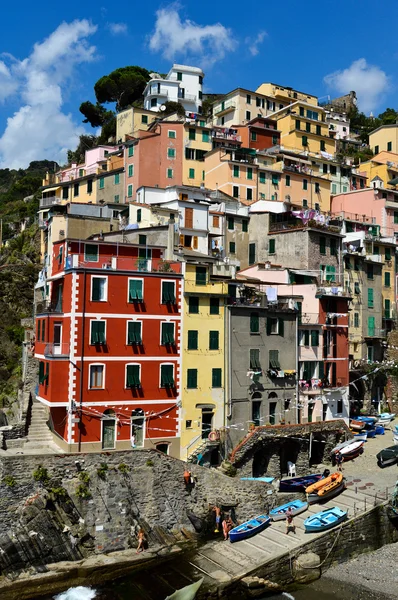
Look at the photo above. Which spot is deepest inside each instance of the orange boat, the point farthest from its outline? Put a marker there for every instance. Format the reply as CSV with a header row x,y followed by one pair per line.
x,y
325,488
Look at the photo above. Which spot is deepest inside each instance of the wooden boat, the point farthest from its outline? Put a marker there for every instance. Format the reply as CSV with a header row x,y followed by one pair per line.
x,y
352,450
325,520
356,425
342,445
379,429
387,457
363,436
298,484
325,488
188,592
279,512
249,528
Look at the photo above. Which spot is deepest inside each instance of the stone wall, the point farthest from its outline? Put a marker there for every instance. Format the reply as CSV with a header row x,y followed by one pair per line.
x,y
266,450
142,488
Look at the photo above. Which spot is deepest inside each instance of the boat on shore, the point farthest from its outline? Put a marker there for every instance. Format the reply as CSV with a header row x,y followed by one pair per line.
x,y
353,450
363,436
371,432
387,457
387,416
298,484
342,445
249,528
356,425
325,520
367,420
379,429
188,592
279,512
325,489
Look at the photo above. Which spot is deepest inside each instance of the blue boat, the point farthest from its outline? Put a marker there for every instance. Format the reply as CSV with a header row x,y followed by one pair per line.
x,y
363,436
298,484
249,528
279,512
379,430
367,420
371,432
325,520
386,416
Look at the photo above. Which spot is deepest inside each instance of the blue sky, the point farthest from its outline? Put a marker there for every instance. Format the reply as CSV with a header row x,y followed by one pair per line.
x,y
52,57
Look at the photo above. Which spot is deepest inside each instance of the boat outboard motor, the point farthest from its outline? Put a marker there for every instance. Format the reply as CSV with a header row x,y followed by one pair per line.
x,y
325,474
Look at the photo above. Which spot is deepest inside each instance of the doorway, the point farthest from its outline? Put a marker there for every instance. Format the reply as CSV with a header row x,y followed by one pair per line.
x,y
272,413
108,430
137,428
57,339
207,423
311,406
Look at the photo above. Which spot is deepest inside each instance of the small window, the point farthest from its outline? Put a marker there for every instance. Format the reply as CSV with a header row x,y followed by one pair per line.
x,y
191,174
101,183
333,247
144,119
272,326
356,319
249,173
171,134
154,102
167,334
131,171
357,289
139,216
134,333
201,276
216,378
287,180
370,298
131,151
97,335
369,271
317,188
205,136
170,174
232,248
129,191
168,292
192,134
135,290
305,184
255,359
252,253
179,76
171,153
262,177
253,136
116,199
317,206
214,306
376,149
244,226
166,376
387,279
89,186
304,140
192,339
192,379
96,377
248,99
133,379
231,223
65,193
117,178
305,203
274,360
322,245
235,191
254,322
193,305
249,194
214,340
387,254
248,115
90,253
389,146
76,189
322,146
271,246
236,171
98,289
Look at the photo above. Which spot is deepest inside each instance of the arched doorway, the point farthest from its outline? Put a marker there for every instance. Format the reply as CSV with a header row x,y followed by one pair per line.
x,y
260,463
357,392
137,428
272,407
318,444
108,429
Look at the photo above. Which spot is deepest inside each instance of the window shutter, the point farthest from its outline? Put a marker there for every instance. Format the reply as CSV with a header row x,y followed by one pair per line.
x,y
214,306
168,296
192,378
274,359
195,242
193,305
41,372
166,376
133,376
188,218
192,339
47,373
322,245
330,273
134,332
252,254
254,323
306,337
98,332
167,333
269,325
370,297
387,279
255,359
201,275
96,283
371,326
321,370
213,340
43,331
281,327
314,337
181,240
216,378
135,290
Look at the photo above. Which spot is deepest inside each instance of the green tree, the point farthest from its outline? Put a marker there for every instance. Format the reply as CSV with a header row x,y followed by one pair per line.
x,y
123,86
389,116
86,142
95,114
173,107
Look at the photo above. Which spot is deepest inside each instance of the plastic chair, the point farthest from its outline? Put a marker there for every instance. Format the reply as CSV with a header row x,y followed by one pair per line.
x,y
291,469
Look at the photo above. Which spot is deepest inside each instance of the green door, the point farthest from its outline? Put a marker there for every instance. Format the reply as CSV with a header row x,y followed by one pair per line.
x,y
272,411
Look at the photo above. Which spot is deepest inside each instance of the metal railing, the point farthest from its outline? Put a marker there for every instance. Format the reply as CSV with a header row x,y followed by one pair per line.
x,y
62,349
187,97
48,307
49,201
228,105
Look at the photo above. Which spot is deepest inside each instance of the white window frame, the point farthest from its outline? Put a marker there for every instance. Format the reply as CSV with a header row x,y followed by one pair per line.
x,y
144,423
161,288
172,137
160,373
172,173
91,326
127,330
132,364
174,332
105,290
173,152
128,288
85,254
103,376
277,326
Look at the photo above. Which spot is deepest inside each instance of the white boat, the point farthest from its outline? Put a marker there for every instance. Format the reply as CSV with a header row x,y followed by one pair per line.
x,y
360,437
352,450
342,445
186,593
383,422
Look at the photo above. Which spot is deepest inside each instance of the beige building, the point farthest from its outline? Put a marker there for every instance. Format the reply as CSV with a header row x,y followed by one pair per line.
x,y
197,141
384,138
285,95
131,120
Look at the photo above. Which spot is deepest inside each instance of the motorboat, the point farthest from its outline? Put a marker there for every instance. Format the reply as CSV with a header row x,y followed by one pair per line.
x,y
387,457
356,425
352,450
379,429
342,445
325,520
279,512
326,488
298,484
249,528
386,416
362,436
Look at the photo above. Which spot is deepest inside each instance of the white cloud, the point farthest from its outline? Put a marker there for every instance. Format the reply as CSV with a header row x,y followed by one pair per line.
x,y
368,81
39,128
254,44
117,28
173,37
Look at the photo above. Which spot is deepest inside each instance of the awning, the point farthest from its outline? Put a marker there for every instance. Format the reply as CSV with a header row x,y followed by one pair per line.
x,y
209,406
51,189
307,273
301,160
393,181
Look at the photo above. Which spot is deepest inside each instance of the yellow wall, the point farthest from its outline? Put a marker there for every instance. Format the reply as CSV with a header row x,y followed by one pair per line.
x,y
286,94
292,137
380,137
129,121
201,359
380,168
197,144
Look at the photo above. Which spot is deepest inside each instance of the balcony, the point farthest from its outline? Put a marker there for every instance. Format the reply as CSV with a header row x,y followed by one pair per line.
x,y
375,333
309,319
43,223
48,307
123,263
56,350
292,224
224,108
50,201
157,92
187,97
221,135
332,289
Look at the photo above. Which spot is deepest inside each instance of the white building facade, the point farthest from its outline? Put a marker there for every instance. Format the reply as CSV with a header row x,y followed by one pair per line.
x,y
183,84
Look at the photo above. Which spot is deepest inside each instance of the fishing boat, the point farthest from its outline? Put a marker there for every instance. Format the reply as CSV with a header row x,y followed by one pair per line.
x,y
188,592
325,520
249,528
363,436
296,506
356,425
387,457
325,489
342,445
387,416
379,429
367,420
371,432
298,484
352,450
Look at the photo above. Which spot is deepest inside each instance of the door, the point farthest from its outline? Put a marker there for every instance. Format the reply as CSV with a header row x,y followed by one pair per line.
x,y
108,434
272,411
137,428
310,411
57,339
207,421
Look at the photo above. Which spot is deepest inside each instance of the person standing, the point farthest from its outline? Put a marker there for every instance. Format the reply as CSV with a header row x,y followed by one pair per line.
x,y
289,521
339,461
217,510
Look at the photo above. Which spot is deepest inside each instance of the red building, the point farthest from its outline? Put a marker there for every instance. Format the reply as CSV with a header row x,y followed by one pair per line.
x,y
109,346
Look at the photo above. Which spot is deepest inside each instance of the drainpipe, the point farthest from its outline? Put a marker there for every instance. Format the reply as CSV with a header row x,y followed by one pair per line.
x,y
297,368
229,415
82,364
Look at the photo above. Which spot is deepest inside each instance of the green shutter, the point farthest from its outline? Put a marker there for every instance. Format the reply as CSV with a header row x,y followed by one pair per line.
x,y
356,319
387,279
252,254
232,248
131,151
255,359
231,223
271,246
322,245
191,174
387,254
236,171
133,376
167,333
262,177
43,331
281,327
214,340
41,372
96,291
387,308
314,337
168,296
214,306
192,339
134,332
97,332
201,275
192,378
321,370
254,323
330,273
249,173
135,290
193,305
166,376
117,178
275,180
371,326
306,337
274,359
205,136
357,289
216,378
370,298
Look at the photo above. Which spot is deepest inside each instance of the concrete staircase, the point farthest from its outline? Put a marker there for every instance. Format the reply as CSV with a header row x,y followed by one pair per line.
x,y
39,435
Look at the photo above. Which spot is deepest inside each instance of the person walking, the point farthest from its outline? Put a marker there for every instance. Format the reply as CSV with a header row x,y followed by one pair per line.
x,y
217,510
290,526
339,461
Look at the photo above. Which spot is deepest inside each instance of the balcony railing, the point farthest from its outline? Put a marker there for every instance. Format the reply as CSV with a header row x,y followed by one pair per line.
x,y
375,333
49,201
48,307
331,289
62,349
187,97
123,263
224,107
220,135
291,225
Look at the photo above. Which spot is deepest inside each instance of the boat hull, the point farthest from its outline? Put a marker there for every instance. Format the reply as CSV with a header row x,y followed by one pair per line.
x,y
297,507
246,530
298,484
387,457
341,446
325,520
380,430
315,498
371,433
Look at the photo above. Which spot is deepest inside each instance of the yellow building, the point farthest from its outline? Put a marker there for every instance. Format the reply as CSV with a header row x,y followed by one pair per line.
x,y
131,120
384,166
384,138
287,95
203,356
303,127
197,142
232,171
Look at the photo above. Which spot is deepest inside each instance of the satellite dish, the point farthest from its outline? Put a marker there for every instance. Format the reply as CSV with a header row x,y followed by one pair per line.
x,y
162,107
